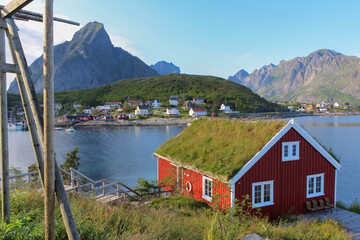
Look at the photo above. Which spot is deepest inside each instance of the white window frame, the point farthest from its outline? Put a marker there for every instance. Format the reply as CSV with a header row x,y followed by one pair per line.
x,y
207,197
262,203
315,194
290,156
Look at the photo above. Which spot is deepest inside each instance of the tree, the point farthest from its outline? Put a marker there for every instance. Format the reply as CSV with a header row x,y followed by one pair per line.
x,y
71,160
95,112
128,109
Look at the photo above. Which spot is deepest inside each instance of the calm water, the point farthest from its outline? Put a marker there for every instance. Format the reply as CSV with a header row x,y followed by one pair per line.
x,y
117,154
125,153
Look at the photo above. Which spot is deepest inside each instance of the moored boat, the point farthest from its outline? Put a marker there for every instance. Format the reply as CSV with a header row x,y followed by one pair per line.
x,y
58,129
70,129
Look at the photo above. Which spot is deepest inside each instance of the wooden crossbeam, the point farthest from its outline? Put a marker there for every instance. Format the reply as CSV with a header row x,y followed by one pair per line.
x,y
9,68
14,6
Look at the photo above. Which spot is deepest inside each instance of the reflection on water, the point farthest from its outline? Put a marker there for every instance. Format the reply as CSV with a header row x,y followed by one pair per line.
x,y
328,124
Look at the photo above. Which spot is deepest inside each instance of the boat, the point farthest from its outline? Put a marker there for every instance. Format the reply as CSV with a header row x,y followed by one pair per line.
x,y
58,129
11,126
70,129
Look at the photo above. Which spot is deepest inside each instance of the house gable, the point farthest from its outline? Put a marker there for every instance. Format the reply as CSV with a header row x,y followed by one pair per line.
x,y
275,139
289,177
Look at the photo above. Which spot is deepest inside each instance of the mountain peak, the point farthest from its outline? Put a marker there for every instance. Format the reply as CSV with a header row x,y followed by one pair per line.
x,y
93,33
163,67
239,76
327,52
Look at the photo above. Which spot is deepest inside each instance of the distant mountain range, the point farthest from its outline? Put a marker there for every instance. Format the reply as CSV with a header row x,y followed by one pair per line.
x,y
163,68
320,76
89,60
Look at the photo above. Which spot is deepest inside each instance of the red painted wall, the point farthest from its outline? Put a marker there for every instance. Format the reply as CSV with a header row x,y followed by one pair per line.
x,y
289,177
221,192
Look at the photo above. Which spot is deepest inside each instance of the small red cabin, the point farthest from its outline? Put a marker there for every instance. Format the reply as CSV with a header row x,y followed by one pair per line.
x,y
276,163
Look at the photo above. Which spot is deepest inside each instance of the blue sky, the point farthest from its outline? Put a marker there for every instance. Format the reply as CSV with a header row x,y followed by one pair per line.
x,y
217,37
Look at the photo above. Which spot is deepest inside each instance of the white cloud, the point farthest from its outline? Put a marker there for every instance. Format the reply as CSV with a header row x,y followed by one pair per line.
x,y
124,43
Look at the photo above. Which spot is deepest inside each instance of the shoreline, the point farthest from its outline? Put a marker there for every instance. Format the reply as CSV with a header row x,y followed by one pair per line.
x,y
184,121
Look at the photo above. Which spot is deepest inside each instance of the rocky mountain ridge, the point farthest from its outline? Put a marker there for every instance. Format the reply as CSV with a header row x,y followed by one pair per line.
x,y
89,60
322,75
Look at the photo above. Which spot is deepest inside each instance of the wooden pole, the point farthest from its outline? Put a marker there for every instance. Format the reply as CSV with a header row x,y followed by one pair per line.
x,y
49,170
5,196
18,56
25,74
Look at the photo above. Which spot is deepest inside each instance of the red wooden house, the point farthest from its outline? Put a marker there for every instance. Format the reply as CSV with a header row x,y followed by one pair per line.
x,y
276,163
84,116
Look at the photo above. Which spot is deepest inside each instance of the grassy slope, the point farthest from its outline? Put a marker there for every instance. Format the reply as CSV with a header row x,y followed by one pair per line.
x,y
213,89
221,147
174,218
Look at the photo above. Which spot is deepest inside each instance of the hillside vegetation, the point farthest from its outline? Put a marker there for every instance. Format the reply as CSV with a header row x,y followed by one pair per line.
x,y
169,218
215,91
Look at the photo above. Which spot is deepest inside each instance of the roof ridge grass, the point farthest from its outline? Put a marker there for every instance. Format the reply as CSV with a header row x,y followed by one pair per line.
x,y
220,146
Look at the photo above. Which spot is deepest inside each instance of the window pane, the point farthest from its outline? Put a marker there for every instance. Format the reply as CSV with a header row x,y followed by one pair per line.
x,y
210,189
311,186
257,194
286,150
318,184
294,150
267,193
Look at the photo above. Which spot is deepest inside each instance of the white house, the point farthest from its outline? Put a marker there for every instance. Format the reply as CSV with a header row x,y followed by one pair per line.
x,y
113,104
337,104
174,100
156,103
142,110
225,107
77,105
196,112
173,111
88,109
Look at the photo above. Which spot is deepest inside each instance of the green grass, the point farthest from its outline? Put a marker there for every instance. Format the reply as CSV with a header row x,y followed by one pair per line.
x,y
172,218
221,147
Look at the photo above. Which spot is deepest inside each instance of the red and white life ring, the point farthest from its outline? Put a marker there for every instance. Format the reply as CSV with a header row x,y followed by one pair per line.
x,y
188,186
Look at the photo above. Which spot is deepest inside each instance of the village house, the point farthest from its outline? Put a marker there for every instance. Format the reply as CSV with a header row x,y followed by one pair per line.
x,y
77,105
84,116
57,107
225,107
276,163
104,109
172,112
310,108
70,119
113,104
134,102
107,117
88,109
122,116
11,117
156,103
337,104
142,110
198,101
174,100
197,112
189,104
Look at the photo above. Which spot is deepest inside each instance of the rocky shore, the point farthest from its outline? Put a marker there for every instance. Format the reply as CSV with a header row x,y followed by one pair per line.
x,y
184,121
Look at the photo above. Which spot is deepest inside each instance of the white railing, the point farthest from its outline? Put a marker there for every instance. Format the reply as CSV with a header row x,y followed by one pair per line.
x,y
79,182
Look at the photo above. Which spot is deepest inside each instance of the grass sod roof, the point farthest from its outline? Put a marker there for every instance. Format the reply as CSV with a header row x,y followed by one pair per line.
x,y
218,146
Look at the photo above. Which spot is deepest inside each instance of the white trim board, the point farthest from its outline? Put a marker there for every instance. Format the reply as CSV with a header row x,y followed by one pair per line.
x,y
275,139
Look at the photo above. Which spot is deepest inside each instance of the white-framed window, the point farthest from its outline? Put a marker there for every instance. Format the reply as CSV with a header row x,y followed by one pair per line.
x,y
263,194
207,188
290,151
315,185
